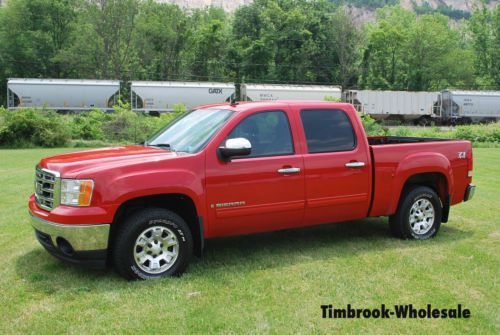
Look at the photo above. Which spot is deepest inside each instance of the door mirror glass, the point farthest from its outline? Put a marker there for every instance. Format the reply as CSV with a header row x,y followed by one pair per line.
x,y
235,147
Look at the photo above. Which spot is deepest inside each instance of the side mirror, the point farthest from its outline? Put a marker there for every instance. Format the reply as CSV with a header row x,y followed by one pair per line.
x,y
234,147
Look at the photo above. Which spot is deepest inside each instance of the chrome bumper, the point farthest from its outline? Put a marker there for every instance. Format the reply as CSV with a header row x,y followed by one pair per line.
x,y
469,192
80,237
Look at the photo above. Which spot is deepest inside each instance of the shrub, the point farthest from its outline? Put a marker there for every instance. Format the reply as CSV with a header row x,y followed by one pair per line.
x,y
479,133
402,131
30,127
331,98
89,125
128,126
34,127
432,132
372,128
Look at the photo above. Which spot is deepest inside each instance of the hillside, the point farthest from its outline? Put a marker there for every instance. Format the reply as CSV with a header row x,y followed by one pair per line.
x,y
362,10
227,5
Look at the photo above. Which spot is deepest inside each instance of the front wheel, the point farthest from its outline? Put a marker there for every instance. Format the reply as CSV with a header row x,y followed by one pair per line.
x,y
153,243
419,214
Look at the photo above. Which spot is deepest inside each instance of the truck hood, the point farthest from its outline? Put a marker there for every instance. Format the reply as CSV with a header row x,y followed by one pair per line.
x,y
72,165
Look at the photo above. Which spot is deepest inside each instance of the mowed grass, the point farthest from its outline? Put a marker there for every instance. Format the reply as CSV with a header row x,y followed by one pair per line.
x,y
268,283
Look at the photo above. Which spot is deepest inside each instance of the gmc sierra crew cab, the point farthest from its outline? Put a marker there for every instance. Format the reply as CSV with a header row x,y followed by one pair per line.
x,y
244,168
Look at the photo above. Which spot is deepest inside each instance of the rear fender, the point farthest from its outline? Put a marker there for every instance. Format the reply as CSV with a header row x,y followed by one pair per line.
x,y
418,163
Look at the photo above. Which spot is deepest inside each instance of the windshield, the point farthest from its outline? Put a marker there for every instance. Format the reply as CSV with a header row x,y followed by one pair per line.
x,y
192,131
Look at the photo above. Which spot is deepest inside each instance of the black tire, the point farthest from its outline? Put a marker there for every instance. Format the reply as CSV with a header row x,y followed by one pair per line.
x,y
148,220
400,224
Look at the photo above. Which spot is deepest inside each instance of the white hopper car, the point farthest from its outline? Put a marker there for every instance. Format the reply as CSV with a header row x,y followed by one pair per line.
x,y
258,92
469,106
450,106
418,107
62,94
162,96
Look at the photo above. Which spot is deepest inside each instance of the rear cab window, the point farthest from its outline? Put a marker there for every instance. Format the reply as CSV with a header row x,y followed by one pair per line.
x,y
327,130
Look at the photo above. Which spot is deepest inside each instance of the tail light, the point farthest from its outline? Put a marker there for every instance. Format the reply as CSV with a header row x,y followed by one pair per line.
x,y
469,163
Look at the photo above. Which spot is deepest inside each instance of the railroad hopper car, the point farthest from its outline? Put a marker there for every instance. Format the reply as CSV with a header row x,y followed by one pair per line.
x,y
260,92
162,96
418,107
464,107
62,94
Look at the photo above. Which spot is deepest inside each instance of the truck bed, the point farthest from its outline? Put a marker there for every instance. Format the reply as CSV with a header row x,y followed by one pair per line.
x,y
396,158
381,140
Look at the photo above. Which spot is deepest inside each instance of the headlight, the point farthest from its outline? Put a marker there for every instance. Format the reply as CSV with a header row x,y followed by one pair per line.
x,y
76,192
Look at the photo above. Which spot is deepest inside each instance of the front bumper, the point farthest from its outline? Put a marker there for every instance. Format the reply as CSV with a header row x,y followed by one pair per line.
x,y
74,243
469,192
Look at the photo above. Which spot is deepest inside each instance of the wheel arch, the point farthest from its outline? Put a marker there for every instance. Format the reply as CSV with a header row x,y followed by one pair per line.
x,y
437,181
431,169
179,203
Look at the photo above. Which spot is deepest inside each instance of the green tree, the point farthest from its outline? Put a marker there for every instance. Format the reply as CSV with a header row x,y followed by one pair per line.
x,y
347,40
434,56
32,34
287,41
495,47
207,46
101,43
383,58
159,38
249,55
406,52
480,26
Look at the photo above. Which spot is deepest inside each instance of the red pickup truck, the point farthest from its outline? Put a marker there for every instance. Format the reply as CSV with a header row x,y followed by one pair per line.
x,y
232,169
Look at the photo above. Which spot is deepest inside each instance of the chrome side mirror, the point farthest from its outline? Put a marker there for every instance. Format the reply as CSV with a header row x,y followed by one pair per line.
x,y
234,147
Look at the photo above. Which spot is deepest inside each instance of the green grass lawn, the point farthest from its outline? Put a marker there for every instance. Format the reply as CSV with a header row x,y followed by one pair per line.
x,y
269,283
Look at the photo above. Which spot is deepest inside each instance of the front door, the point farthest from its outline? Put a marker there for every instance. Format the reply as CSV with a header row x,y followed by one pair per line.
x,y
260,192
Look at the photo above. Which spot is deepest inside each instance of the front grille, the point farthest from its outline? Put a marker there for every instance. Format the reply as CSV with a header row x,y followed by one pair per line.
x,y
47,186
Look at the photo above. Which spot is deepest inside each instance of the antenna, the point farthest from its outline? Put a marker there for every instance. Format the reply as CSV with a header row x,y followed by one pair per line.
x,y
233,101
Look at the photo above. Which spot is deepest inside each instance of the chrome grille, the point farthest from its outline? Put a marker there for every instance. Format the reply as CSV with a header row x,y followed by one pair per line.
x,y
47,188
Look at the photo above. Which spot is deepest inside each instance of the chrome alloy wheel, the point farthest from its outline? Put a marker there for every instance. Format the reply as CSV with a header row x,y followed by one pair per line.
x,y
156,249
421,216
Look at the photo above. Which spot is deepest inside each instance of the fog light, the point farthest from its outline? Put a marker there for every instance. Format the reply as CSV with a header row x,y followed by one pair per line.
x,y
65,246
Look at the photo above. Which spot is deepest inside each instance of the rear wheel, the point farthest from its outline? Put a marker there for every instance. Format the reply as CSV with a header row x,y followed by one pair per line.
x,y
419,214
153,243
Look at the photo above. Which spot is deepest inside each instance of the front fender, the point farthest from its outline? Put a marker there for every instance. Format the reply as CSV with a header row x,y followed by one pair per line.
x,y
136,184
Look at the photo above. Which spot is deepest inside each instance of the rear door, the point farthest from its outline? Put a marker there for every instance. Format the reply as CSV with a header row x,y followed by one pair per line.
x,y
260,192
337,166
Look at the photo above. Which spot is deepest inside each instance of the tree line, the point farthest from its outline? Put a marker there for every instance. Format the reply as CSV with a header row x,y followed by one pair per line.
x,y
268,41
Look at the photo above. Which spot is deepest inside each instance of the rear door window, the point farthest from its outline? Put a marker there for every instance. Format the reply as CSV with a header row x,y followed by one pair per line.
x,y
327,130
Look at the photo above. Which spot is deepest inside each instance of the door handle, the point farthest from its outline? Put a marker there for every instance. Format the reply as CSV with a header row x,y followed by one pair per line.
x,y
289,170
354,164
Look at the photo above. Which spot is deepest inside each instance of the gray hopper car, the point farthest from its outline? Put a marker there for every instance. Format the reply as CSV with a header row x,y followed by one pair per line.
x,y
417,107
62,94
162,96
469,106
